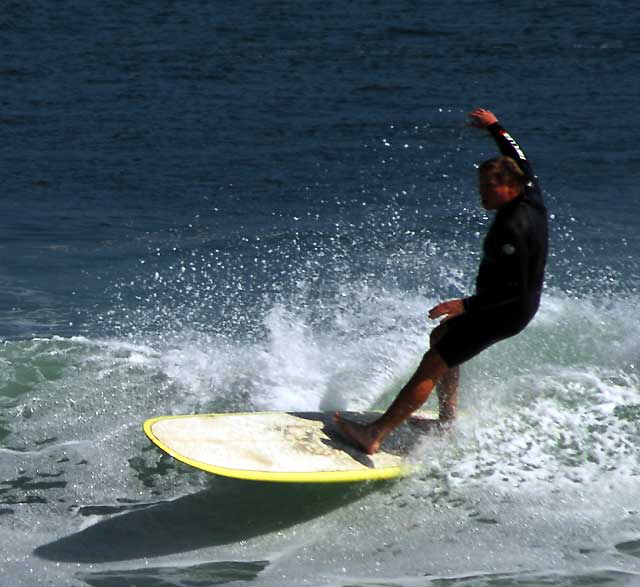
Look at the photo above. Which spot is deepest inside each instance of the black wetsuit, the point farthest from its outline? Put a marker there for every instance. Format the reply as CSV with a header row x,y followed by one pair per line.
x,y
511,273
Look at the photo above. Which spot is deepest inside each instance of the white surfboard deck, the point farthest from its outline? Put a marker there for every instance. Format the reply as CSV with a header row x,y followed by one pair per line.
x,y
282,446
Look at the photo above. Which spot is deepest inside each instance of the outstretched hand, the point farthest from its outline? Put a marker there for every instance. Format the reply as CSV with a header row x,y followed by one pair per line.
x,y
447,309
482,118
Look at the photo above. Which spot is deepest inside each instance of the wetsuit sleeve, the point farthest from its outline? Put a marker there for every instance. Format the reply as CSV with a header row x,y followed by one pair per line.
x,y
512,252
510,148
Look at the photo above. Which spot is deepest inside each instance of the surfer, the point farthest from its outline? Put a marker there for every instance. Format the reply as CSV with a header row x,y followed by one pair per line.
x,y
508,288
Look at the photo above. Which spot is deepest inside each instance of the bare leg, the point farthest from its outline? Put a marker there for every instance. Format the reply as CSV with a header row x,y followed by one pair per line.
x,y
448,394
411,397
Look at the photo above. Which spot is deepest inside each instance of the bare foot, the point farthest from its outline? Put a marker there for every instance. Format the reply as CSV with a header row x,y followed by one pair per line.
x,y
361,436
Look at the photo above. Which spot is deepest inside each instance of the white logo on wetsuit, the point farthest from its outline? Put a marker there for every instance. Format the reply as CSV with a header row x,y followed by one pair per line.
x,y
515,145
508,249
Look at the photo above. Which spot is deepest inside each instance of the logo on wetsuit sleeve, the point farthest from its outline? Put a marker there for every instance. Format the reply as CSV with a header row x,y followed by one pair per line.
x,y
515,145
508,249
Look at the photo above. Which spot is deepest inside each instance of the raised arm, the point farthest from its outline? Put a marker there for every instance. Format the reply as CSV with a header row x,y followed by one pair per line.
x,y
482,118
508,146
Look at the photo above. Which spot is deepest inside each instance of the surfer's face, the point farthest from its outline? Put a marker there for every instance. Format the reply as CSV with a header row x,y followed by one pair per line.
x,y
493,192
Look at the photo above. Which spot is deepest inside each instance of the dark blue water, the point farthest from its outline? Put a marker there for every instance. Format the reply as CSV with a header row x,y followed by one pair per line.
x,y
252,205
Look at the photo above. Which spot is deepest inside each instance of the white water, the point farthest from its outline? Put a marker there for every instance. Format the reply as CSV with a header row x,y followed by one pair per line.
x,y
540,476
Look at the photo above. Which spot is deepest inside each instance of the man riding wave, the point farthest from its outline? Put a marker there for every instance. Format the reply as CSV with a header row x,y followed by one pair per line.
x,y
507,296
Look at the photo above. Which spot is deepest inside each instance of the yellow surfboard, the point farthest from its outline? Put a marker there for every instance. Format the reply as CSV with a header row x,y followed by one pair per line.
x,y
302,447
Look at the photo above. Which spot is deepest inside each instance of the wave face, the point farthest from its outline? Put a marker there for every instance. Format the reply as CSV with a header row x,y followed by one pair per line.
x,y
544,455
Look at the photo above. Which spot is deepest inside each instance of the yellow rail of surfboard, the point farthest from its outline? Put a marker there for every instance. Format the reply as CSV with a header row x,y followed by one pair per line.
x,y
352,475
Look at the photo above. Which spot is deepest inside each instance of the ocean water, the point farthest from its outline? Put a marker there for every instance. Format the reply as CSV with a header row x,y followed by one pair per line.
x,y
216,206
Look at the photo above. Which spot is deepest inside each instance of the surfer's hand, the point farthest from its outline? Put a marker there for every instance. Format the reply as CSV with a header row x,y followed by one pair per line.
x,y
481,118
447,309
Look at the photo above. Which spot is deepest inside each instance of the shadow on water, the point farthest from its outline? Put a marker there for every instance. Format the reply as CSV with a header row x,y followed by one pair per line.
x,y
632,547
227,512
593,578
218,573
